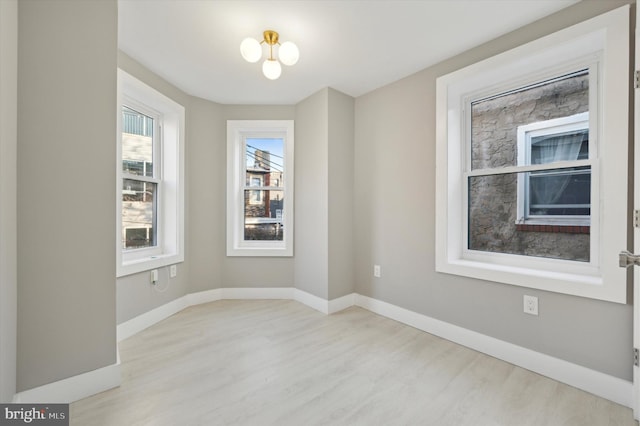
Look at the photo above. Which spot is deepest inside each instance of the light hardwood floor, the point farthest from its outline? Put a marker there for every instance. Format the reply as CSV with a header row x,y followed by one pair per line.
x,y
281,363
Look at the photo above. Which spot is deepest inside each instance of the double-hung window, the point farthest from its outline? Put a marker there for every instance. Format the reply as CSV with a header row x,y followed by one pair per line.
x,y
260,188
558,194
140,179
532,149
150,204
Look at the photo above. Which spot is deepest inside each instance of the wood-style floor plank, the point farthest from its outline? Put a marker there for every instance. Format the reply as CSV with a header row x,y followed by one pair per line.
x,y
274,362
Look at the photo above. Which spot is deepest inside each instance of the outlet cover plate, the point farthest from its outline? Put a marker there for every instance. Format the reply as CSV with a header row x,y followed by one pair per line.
x,y
530,305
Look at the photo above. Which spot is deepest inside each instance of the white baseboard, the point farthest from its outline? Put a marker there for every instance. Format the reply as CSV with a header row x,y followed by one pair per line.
x,y
154,316
204,297
285,293
342,303
240,293
312,301
73,388
327,307
595,382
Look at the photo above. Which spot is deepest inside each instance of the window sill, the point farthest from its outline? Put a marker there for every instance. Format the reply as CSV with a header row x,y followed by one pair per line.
x,y
554,229
256,251
580,280
147,264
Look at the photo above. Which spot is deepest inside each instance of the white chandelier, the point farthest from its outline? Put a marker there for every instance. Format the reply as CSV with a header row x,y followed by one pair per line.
x,y
288,53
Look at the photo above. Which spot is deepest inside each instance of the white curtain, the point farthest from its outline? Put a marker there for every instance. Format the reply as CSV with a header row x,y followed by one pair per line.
x,y
548,190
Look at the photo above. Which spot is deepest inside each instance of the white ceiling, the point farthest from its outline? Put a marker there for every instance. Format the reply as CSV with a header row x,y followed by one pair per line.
x,y
354,46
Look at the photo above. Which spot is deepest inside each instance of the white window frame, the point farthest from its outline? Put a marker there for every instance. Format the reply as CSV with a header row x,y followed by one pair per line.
x,y
602,41
544,128
169,118
155,250
237,132
254,195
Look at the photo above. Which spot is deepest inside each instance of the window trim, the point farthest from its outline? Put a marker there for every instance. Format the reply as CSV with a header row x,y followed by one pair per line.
x,y
169,161
549,127
602,278
237,132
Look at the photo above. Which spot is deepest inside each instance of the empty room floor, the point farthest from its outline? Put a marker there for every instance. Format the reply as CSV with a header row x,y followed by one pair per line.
x,y
278,362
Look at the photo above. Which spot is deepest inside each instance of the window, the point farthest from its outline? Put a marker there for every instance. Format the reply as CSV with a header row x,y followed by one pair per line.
x,y
140,182
260,188
524,173
150,178
255,198
555,196
532,152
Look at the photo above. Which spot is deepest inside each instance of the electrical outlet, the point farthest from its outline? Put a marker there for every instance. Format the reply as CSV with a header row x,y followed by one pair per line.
x,y
376,271
173,271
530,305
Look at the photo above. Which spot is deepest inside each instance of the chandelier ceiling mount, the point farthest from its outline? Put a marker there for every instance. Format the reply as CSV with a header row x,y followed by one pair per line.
x,y
288,53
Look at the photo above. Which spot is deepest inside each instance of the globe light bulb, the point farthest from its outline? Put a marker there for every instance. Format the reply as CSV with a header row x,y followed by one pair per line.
x,y
250,49
288,53
271,69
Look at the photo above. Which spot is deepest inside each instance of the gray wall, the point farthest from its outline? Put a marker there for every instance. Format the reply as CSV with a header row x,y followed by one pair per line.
x,y
395,226
206,189
66,217
340,197
8,186
324,194
311,188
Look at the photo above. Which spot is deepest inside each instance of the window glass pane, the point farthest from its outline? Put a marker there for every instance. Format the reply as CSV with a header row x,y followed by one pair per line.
x,y
560,192
139,214
263,212
494,225
264,160
138,237
495,120
137,143
567,146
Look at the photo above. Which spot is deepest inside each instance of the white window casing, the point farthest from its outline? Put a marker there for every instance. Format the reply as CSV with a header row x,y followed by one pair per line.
x,y
168,158
602,45
238,131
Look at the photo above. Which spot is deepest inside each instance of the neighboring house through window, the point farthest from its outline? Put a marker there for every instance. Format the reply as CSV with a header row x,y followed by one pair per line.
x,y
555,196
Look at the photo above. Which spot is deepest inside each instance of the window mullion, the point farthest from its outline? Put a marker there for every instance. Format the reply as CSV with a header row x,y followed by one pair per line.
x,y
140,178
263,188
529,168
